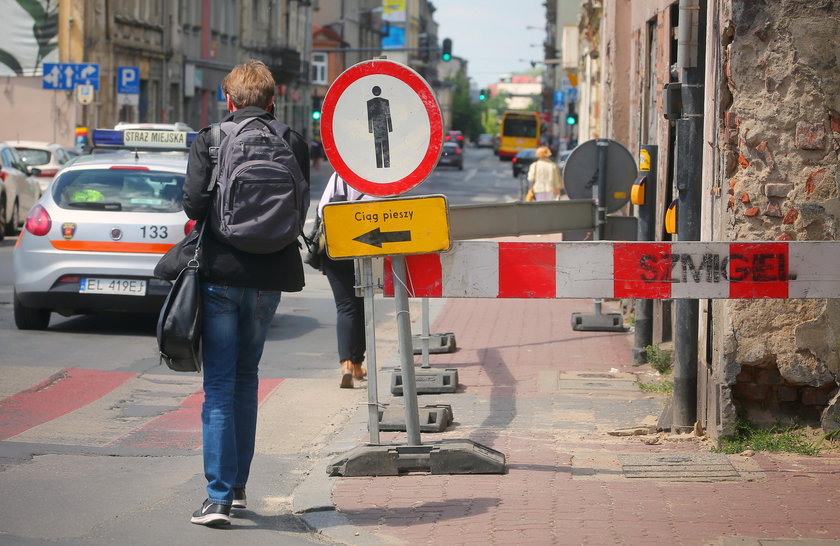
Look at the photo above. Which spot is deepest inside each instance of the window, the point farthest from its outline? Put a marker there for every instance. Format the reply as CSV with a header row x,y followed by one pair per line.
x,y
34,156
120,190
319,68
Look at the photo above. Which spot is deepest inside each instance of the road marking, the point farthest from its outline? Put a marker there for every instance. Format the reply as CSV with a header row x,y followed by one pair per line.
x,y
472,172
110,409
181,429
63,392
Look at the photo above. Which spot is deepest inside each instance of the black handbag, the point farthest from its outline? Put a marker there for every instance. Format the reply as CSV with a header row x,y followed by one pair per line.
x,y
315,249
179,323
176,258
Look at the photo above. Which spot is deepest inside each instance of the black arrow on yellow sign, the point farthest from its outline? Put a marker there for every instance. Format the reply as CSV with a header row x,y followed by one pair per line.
x,y
376,237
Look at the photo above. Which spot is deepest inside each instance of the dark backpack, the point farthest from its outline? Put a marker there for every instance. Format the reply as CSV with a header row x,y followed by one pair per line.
x,y
261,201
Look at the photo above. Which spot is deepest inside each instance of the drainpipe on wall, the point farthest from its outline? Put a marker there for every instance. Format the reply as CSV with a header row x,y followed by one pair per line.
x,y
164,103
689,177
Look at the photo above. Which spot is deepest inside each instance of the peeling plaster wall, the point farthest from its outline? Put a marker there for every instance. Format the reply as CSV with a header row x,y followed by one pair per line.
x,y
778,137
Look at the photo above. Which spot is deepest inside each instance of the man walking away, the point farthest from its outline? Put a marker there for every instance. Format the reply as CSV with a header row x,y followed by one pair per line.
x,y
240,292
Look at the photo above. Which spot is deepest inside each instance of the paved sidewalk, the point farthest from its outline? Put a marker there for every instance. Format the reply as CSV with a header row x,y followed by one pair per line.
x,y
546,396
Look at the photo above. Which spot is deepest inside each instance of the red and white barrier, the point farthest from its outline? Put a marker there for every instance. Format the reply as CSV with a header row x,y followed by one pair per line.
x,y
606,269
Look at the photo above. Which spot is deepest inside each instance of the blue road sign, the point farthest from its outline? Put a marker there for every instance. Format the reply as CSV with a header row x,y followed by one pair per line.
x,y
66,76
220,95
559,99
87,74
128,80
58,76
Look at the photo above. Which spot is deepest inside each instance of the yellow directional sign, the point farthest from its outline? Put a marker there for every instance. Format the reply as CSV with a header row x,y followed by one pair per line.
x,y
386,227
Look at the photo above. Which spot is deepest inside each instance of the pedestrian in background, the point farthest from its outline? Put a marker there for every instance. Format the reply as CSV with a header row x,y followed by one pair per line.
x,y
240,292
316,153
544,176
350,308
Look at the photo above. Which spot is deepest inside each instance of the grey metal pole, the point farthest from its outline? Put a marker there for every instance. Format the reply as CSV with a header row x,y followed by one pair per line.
x,y
646,231
166,117
603,146
424,338
412,416
370,349
691,57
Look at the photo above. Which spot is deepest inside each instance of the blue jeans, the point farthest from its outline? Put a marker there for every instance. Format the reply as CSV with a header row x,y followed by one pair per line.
x,y
235,322
350,310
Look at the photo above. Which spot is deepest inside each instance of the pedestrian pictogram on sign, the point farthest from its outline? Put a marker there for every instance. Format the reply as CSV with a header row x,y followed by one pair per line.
x,y
379,123
381,127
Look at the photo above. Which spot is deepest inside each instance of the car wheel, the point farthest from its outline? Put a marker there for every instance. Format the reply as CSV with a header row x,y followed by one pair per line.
x,y
14,221
461,167
27,318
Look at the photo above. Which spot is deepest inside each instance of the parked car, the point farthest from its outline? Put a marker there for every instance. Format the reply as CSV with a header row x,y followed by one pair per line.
x,y
484,140
562,157
19,190
454,136
522,160
92,242
451,155
49,157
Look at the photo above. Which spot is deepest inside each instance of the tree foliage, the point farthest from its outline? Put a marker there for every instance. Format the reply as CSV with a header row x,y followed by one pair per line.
x,y
466,115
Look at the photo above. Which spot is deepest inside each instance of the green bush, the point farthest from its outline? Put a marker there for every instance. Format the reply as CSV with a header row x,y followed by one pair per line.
x,y
664,387
787,438
658,358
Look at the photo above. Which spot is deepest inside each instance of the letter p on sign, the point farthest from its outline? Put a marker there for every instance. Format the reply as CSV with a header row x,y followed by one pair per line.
x,y
128,80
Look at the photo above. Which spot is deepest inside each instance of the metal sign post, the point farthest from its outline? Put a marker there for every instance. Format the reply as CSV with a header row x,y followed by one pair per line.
x,y
412,418
424,338
601,169
383,133
370,344
643,336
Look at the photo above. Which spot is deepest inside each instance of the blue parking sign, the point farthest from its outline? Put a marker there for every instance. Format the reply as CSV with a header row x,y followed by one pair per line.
x,y
128,80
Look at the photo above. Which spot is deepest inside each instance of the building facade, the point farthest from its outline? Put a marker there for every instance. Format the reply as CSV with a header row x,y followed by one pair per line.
x,y
352,31
764,91
182,50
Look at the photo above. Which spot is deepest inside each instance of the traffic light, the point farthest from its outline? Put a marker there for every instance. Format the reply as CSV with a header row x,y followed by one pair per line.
x,y
571,115
482,95
316,108
447,50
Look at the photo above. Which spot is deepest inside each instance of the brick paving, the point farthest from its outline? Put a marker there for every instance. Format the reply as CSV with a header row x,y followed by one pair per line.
x,y
564,483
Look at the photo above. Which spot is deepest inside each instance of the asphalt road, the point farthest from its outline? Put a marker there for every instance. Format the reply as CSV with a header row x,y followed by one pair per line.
x,y
126,464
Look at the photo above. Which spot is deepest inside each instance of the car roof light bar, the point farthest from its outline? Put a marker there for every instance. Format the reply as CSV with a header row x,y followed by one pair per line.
x,y
143,140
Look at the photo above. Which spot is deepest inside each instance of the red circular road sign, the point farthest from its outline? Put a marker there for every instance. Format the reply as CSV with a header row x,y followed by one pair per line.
x,y
381,127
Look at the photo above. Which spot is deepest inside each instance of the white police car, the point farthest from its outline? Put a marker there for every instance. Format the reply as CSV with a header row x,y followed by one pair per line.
x,y
92,242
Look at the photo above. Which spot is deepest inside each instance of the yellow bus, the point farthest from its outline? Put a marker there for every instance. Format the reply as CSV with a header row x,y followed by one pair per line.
x,y
518,130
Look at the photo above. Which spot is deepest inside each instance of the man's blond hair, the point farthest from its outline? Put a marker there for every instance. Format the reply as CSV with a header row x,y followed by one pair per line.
x,y
250,84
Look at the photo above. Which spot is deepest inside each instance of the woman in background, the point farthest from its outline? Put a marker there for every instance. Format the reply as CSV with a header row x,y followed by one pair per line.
x,y
544,176
350,308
